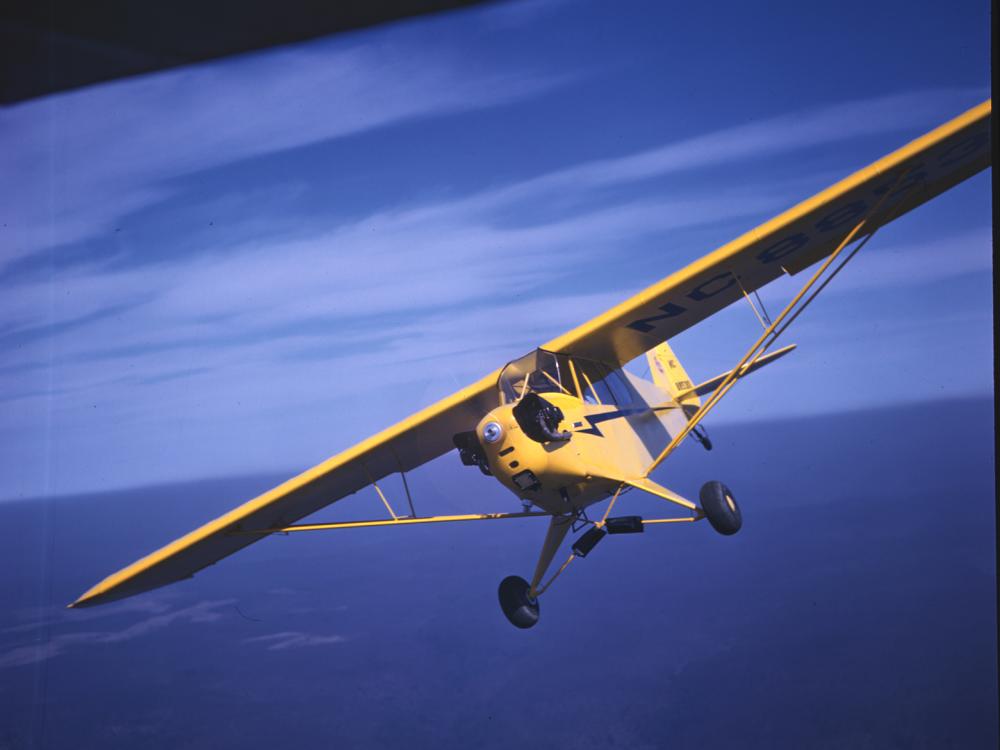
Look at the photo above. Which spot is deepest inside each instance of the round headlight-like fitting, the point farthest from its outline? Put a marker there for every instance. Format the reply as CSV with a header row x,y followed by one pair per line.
x,y
492,431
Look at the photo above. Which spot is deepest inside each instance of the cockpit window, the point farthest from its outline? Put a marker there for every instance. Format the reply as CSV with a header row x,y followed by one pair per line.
x,y
538,372
619,388
546,372
592,376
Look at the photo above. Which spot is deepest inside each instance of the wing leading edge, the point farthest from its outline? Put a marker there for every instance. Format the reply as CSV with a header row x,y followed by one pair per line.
x,y
788,243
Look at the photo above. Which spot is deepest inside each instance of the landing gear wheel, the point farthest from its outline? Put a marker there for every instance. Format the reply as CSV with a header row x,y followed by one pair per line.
x,y
720,508
520,609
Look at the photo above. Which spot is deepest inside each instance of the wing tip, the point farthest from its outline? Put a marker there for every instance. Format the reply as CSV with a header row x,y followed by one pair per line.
x,y
87,599
113,589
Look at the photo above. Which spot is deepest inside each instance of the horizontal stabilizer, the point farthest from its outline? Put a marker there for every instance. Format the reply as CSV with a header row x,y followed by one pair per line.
x,y
710,385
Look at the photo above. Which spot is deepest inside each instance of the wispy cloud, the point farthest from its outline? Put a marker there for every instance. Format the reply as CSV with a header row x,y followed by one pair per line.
x,y
391,295
42,650
279,282
762,139
462,237
886,266
293,639
45,617
965,251
74,164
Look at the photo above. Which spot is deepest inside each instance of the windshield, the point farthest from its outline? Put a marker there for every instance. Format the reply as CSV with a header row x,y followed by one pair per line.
x,y
547,372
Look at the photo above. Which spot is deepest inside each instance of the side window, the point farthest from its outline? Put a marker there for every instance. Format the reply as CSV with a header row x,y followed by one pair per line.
x,y
603,393
619,388
593,381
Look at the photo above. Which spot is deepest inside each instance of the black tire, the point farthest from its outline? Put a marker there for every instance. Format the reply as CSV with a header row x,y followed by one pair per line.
x,y
520,609
720,508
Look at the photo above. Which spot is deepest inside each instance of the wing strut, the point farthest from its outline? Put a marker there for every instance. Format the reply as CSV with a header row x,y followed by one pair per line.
x,y
406,486
381,494
398,521
771,333
762,317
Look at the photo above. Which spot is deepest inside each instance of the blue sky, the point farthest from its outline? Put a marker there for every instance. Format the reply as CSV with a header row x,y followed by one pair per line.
x,y
249,265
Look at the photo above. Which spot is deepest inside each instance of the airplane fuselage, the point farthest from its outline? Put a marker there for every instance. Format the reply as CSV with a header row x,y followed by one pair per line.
x,y
607,444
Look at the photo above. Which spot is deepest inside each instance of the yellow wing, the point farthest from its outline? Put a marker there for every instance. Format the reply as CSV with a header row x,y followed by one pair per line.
x,y
787,244
402,447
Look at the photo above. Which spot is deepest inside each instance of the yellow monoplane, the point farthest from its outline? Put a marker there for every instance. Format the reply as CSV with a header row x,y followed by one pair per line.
x,y
564,426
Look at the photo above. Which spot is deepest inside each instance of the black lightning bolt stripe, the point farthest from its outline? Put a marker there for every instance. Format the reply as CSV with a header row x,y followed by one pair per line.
x,y
596,419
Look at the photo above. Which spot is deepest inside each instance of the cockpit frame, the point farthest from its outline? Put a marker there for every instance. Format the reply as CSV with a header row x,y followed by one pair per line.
x,y
542,371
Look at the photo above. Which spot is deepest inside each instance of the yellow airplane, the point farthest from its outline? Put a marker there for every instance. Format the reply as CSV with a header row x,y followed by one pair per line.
x,y
565,427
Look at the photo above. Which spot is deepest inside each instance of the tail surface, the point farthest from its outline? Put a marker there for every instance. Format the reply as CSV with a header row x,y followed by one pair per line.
x,y
669,375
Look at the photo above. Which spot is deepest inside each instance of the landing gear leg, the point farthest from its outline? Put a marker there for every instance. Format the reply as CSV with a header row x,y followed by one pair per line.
x,y
701,435
518,598
698,432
